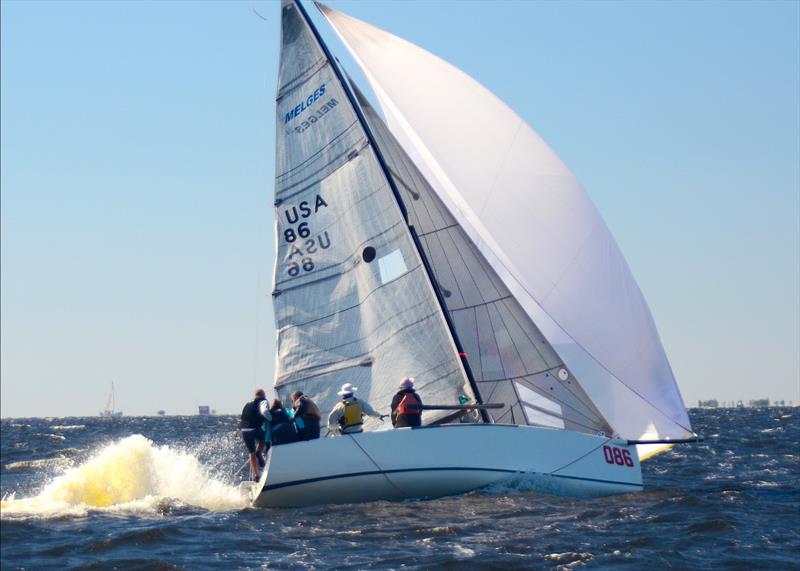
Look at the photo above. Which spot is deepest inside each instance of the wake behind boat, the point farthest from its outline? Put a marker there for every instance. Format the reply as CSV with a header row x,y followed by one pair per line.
x,y
453,246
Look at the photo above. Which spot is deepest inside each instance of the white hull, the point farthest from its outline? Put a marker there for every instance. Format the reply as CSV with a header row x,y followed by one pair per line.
x,y
445,460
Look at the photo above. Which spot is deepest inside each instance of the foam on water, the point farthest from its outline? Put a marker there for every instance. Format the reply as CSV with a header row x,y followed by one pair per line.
x,y
129,475
44,463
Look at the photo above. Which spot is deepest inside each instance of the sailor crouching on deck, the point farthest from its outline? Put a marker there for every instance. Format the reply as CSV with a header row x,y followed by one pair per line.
x,y
306,416
254,414
348,414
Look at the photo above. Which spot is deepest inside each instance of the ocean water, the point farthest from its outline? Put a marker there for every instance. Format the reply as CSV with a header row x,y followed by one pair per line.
x,y
161,493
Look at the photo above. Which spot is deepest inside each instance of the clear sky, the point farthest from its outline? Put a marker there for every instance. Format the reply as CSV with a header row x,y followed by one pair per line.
x,y
137,165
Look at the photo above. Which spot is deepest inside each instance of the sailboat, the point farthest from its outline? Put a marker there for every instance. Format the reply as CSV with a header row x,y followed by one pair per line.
x,y
442,239
110,410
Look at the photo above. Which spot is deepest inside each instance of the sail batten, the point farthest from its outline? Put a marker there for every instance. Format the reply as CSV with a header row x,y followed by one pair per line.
x,y
531,220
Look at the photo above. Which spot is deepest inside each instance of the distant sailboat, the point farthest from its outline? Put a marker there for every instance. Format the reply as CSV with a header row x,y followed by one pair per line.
x,y
110,410
452,245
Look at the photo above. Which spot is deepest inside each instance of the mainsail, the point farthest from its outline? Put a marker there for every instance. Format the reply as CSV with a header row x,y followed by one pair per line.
x,y
532,222
352,298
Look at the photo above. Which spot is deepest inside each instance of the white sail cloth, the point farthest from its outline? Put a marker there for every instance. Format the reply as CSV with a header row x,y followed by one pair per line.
x,y
534,223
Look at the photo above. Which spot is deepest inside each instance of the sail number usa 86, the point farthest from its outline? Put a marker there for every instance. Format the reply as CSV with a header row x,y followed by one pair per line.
x,y
301,244
618,456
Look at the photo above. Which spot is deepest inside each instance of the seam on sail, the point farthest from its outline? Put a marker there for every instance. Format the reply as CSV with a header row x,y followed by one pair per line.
x,y
505,155
301,78
463,262
502,305
378,345
483,304
535,342
343,310
436,230
314,156
325,368
371,348
285,194
373,332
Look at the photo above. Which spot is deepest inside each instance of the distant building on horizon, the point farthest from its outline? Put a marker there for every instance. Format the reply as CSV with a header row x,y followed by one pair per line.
x,y
204,410
713,403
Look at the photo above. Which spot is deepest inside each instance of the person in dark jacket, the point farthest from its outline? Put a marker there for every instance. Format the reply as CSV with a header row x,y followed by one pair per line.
x,y
403,412
254,414
307,416
283,429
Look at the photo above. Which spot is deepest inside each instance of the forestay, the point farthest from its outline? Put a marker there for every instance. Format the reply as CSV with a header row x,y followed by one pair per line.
x,y
352,300
533,223
510,359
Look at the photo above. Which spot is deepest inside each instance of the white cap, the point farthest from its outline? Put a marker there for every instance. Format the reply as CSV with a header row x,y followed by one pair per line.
x,y
347,389
407,383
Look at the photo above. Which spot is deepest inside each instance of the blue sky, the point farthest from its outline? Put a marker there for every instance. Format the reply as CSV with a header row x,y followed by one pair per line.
x,y
137,151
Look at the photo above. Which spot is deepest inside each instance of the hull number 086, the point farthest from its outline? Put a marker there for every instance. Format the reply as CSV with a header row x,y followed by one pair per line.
x,y
618,456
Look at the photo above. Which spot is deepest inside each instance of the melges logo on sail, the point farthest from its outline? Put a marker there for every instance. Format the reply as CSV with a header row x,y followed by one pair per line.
x,y
305,104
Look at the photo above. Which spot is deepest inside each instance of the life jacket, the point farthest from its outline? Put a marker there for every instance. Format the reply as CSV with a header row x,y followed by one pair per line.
x,y
353,414
251,416
404,406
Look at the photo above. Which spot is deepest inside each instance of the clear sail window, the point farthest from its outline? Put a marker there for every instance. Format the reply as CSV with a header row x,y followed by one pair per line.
x,y
392,266
531,399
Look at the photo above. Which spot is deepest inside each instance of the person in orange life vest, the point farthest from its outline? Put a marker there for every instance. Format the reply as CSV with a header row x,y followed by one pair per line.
x,y
348,414
403,414
306,416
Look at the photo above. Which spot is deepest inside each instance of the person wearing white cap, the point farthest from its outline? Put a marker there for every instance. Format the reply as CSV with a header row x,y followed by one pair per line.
x,y
404,405
348,414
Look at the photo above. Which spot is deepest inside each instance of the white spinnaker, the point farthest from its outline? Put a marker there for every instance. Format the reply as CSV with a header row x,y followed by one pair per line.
x,y
534,223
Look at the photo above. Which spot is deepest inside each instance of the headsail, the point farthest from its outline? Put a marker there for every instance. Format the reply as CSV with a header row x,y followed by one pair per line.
x,y
510,359
533,222
352,299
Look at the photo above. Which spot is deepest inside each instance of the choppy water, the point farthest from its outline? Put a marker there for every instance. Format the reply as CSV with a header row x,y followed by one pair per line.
x,y
159,493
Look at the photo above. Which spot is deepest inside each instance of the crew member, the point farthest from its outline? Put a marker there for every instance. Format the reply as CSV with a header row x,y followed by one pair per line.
x,y
405,411
254,414
284,430
306,416
348,414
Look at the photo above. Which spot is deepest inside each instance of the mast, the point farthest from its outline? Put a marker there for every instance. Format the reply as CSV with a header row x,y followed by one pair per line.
x,y
395,192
